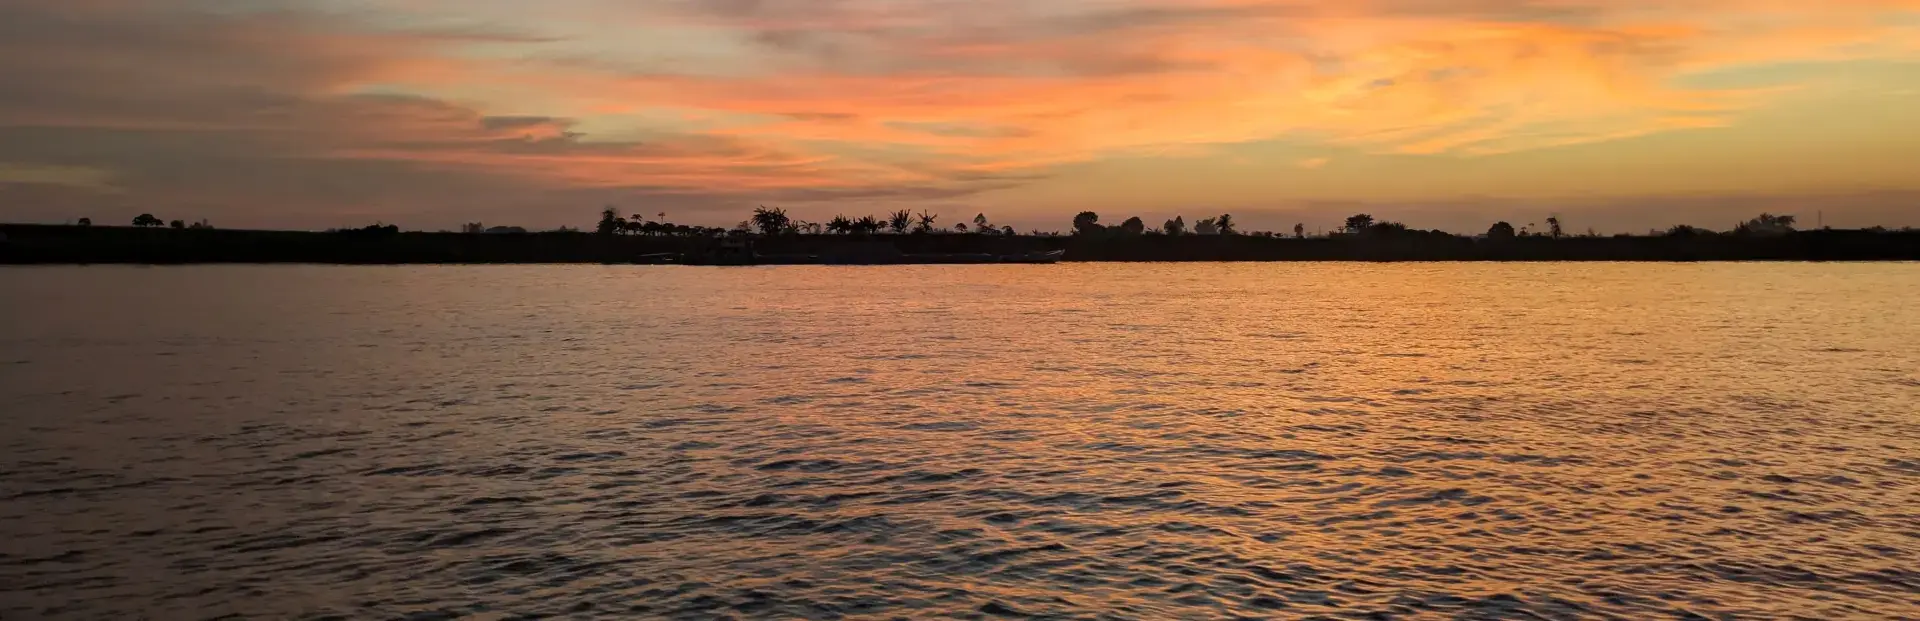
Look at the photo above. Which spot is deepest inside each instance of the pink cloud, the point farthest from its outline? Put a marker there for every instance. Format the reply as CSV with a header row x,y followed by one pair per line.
x,y
1391,76
858,99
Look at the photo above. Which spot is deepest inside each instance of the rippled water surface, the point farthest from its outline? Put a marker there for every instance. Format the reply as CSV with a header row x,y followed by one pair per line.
x,y
1071,441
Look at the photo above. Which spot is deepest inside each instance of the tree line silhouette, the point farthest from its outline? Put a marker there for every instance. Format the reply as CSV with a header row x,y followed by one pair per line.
x,y
146,220
774,221
624,239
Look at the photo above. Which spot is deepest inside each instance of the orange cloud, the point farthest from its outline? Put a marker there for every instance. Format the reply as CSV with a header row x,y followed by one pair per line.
x,y
1390,76
738,101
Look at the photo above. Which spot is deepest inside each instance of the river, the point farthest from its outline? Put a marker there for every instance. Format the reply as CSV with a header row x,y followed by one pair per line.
x,y
1079,441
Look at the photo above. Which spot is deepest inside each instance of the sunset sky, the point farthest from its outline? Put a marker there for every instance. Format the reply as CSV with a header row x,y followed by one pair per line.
x,y
1619,115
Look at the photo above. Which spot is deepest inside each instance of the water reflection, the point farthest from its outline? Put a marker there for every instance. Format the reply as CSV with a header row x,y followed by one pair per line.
x,y
1077,441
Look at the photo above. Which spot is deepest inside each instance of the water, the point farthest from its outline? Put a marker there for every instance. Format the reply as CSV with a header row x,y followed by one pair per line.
x,y
1073,441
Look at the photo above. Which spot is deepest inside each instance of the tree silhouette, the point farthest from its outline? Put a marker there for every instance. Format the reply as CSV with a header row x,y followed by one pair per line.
x,y
1176,226
146,220
840,225
1358,223
178,224
926,222
1207,226
980,224
610,221
960,226
771,221
900,221
1087,223
1225,222
1500,230
86,222
1767,224
1383,229
868,225
372,230
1299,231
1133,226
1008,231
1553,227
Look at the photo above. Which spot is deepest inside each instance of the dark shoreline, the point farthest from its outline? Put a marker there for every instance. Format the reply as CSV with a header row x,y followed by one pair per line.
x,y
74,245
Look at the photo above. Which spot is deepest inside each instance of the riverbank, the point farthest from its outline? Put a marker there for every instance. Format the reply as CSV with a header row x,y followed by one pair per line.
x,y
49,244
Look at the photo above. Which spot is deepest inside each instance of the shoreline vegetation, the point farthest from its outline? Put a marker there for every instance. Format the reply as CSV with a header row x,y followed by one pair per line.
x,y
770,236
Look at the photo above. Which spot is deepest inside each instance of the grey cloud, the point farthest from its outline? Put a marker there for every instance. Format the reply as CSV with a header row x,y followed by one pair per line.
x,y
238,117
928,36
517,122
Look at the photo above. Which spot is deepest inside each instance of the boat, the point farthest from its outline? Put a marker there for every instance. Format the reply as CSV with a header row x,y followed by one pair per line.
x,y
1048,257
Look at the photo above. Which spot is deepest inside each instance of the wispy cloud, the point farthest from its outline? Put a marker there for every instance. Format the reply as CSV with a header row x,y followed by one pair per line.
x,y
402,107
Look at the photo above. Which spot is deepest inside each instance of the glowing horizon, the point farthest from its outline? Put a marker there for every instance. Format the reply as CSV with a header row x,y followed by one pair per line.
x,y
1620,115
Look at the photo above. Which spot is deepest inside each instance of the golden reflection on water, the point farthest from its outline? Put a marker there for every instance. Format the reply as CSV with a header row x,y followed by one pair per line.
x,y
1079,441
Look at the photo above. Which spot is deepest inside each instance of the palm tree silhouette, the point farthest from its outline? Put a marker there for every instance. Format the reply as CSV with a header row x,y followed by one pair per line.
x,y
771,221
